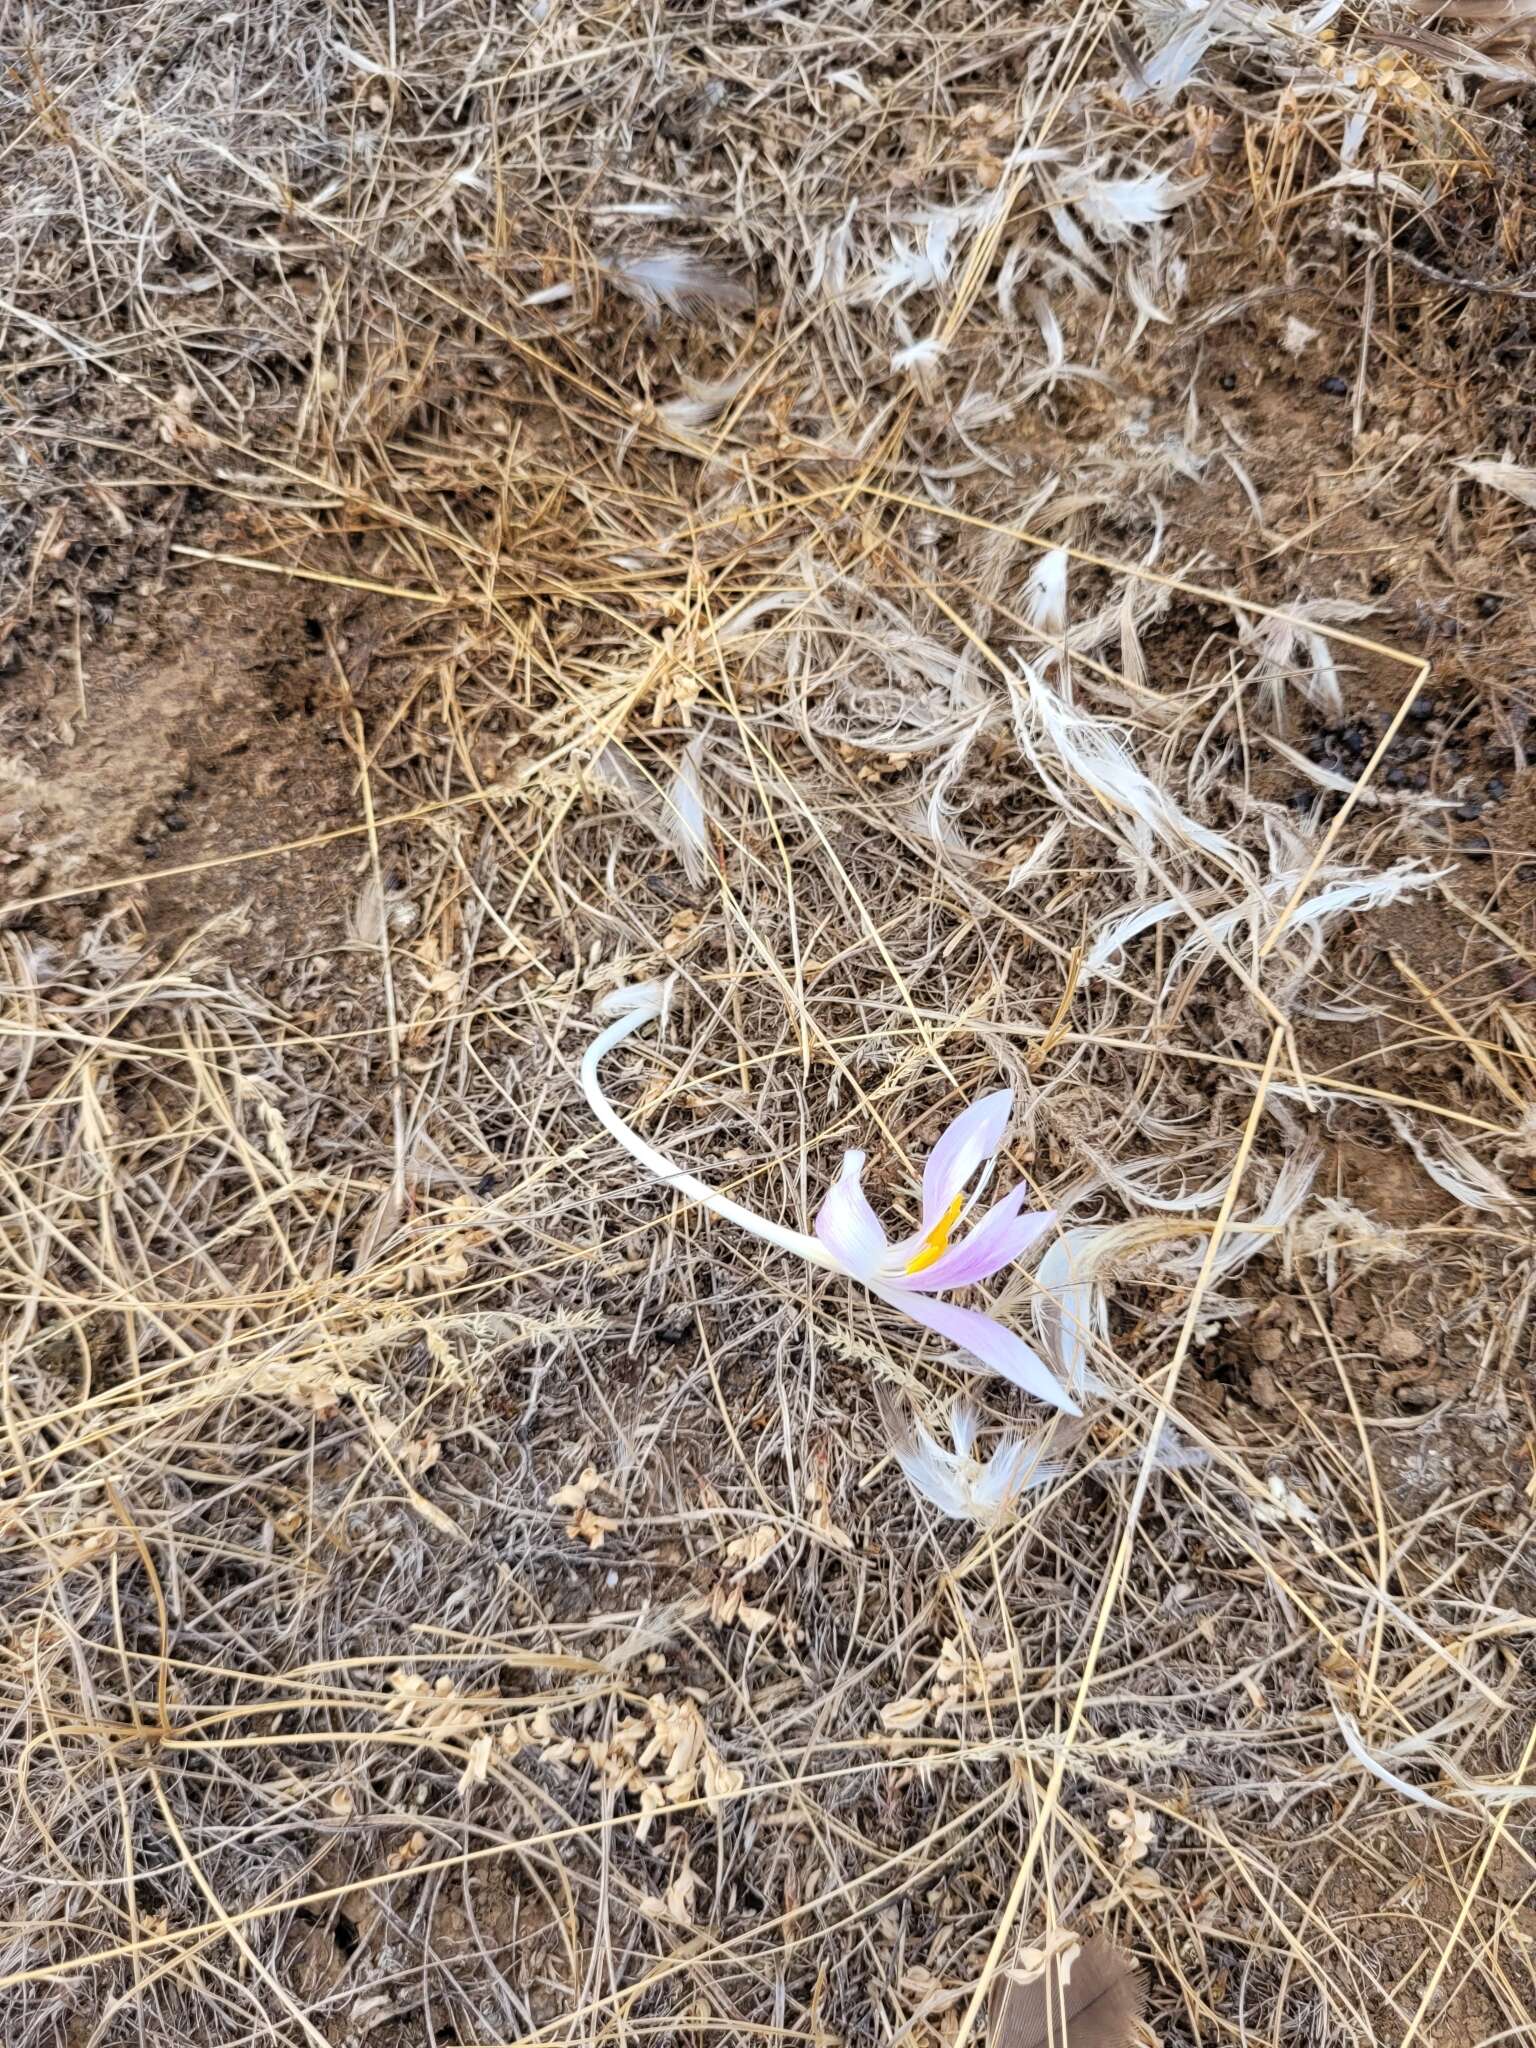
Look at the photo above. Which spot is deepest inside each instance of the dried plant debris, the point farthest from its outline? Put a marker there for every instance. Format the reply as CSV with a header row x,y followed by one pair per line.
x,y
981,558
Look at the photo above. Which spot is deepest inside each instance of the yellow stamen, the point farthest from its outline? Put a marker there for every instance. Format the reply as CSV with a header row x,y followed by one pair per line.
x,y
936,1243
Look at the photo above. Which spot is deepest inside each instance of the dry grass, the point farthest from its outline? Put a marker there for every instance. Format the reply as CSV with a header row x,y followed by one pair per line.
x,y
456,1592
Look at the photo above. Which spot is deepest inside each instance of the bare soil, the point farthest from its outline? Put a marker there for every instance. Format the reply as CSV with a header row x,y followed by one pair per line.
x,y
202,724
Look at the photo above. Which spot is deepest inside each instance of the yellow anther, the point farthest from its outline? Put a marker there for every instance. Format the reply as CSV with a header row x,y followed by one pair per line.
x,y
936,1243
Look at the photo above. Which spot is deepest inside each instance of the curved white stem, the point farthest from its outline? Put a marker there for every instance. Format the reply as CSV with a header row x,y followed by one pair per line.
x,y
795,1241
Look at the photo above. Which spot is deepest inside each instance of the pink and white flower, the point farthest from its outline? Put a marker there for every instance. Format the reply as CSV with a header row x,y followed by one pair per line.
x,y
848,1236
909,1273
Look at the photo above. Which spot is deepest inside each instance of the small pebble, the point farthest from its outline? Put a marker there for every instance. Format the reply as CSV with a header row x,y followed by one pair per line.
x,y
175,822
1422,708
1396,777
1488,604
1228,381
1477,847
1470,810
1334,387
1401,1346
1497,788
1526,872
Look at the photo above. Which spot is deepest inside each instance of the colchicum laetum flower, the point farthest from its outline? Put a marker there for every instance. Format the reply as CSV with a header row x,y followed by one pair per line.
x,y
947,1251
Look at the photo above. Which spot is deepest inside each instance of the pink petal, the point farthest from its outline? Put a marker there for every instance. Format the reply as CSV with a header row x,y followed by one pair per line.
x,y
989,1343
1001,1236
966,1146
847,1225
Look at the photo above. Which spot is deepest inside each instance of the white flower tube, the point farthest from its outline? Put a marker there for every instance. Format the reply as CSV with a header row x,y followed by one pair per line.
x,y
849,1238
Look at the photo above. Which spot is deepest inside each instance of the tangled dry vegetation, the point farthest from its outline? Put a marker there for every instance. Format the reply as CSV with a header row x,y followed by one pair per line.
x,y
456,1592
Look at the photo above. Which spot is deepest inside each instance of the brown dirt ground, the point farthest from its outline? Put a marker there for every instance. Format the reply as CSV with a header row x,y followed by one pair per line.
x,y
201,723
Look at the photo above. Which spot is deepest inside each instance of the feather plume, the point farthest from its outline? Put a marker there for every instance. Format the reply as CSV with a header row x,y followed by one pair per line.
x,y
1174,63
1068,1307
1288,650
1458,1170
684,820
1047,594
680,279
1119,932
1092,1997
1134,1184
1063,743
957,1482
1503,475
1332,1229
1133,663
1113,208
920,266
1039,857
1345,890
1072,239
736,624
701,403
920,355
1055,369
1287,1199
1367,892
938,813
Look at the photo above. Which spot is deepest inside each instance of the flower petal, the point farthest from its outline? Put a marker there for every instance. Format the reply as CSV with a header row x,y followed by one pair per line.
x,y
846,1224
1001,1236
969,1142
995,1348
